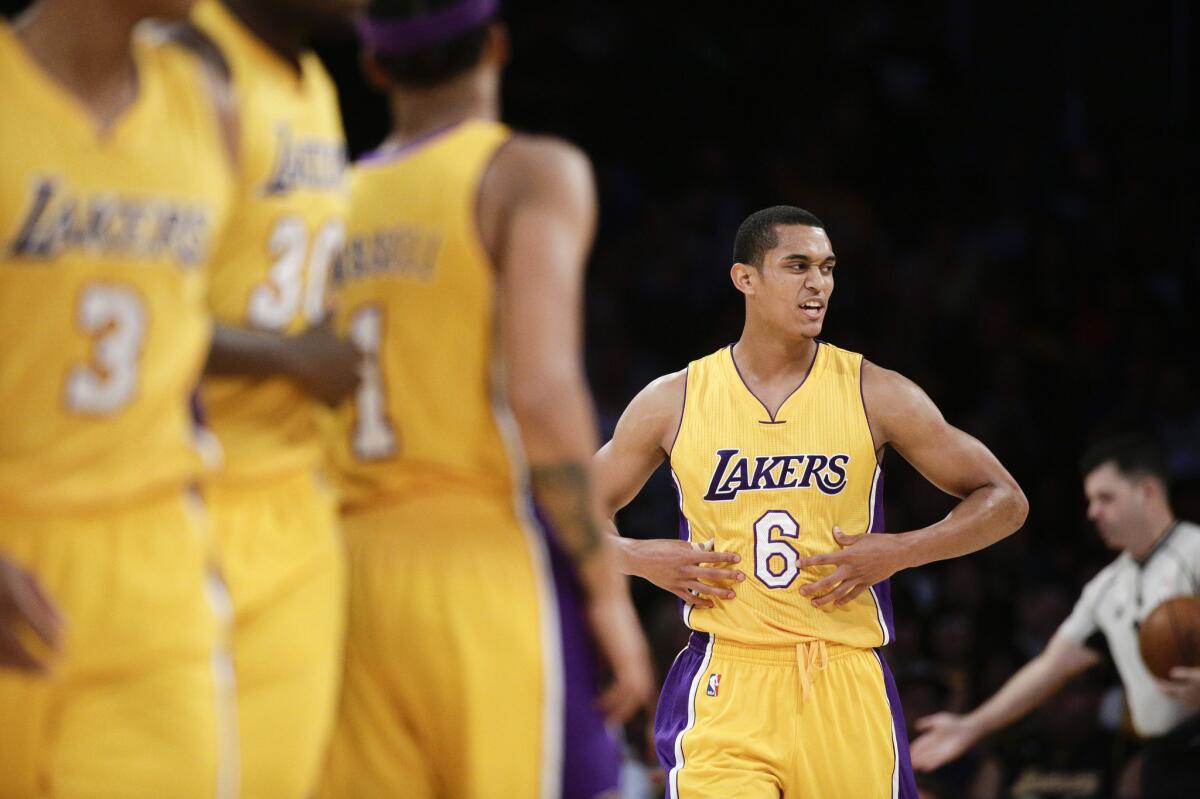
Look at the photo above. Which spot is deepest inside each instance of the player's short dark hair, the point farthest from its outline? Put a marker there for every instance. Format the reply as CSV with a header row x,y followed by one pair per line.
x,y
1134,456
756,235
436,63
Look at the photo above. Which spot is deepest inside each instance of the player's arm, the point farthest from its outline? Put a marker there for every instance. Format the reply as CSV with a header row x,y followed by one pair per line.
x,y
537,213
992,505
325,366
642,439
946,736
25,606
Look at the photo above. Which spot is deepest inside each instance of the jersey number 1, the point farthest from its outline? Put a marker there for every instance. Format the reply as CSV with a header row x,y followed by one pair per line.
x,y
373,437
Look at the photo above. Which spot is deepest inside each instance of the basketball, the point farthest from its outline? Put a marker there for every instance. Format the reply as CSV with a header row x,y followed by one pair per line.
x,y
1170,636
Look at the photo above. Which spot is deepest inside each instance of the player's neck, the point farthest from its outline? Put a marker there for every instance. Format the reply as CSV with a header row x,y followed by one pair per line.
x,y
417,112
1159,523
280,32
765,356
86,48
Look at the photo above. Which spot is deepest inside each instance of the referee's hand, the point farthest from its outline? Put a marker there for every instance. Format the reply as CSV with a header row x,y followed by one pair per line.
x,y
24,606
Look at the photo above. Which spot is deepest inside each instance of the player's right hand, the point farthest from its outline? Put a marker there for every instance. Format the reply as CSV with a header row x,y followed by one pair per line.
x,y
618,635
327,367
24,604
679,567
944,737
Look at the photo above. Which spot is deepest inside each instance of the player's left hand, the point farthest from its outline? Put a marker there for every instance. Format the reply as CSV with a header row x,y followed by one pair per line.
x,y
863,561
1184,685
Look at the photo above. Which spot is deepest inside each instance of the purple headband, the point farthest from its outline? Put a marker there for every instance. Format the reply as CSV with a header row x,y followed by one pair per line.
x,y
402,36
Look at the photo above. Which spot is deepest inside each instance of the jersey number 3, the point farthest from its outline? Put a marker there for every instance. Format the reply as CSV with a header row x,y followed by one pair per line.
x,y
115,318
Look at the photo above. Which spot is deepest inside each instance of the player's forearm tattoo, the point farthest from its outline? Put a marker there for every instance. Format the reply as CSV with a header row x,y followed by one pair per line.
x,y
563,492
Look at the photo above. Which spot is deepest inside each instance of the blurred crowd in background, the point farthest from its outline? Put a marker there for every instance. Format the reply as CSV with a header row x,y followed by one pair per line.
x,y
1012,200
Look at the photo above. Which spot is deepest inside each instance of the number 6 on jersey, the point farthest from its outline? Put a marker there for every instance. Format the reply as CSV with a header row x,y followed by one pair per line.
x,y
767,548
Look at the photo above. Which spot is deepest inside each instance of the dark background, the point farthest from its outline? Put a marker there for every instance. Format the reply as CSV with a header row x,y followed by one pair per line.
x,y
1011,194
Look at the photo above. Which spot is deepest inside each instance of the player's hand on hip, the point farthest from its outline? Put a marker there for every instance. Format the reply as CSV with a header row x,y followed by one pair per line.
x,y
618,635
1183,685
679,567
863,561
944,737
23,604
327,367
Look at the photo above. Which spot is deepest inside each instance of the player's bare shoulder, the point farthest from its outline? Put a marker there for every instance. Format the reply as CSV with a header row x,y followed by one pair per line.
x,y
895,404
531,170
653,416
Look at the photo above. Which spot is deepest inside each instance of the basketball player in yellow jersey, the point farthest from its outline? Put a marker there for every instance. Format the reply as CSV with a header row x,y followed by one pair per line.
x,y
775,444
114,184
272,363
475,618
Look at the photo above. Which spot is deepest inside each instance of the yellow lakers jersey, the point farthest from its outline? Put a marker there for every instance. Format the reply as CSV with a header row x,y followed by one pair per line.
x,y
271,270
415,294
772,490
103,325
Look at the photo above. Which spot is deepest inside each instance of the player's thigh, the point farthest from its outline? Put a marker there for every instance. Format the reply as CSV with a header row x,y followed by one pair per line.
x,y
380,745
724,726
847,743
286,564
145,689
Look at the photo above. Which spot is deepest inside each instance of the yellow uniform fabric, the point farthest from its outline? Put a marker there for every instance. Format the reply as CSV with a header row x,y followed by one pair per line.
x,y
772,489
443,688
774,697
106,236
274,519
103,329
811,720
454,683
423,419
271,270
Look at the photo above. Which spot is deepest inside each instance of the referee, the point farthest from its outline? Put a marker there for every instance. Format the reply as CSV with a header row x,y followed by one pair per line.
x,y
1125,484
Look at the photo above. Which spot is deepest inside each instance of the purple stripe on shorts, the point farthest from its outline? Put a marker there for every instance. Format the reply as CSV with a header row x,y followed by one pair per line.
x,y
907,782
675,701
591,762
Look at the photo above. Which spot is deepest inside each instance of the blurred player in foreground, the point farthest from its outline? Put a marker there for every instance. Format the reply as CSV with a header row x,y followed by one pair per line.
x,y
114,182
1124,480
775,444
274,360
473,612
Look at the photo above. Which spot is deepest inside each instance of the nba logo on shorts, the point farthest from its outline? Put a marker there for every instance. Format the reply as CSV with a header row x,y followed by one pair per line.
x,y
714,684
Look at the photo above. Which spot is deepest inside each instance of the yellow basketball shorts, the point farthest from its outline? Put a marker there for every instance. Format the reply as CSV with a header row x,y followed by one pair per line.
x,y
280,551
139,701
818,719
468,669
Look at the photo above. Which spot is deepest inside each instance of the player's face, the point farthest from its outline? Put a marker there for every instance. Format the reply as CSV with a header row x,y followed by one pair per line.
x,y
1116,505
796,280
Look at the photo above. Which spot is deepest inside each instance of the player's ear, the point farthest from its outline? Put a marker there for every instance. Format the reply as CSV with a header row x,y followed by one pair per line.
x,y
498,48
743,277
374,73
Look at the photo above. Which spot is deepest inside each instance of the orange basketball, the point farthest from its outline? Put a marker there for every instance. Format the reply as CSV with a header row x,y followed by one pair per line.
x,y
1170,635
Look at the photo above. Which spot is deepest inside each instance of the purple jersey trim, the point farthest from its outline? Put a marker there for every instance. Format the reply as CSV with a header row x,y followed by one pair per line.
x,y
882,590
906,782
811,365
402,36
682,411
393,152
675,701
591,761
